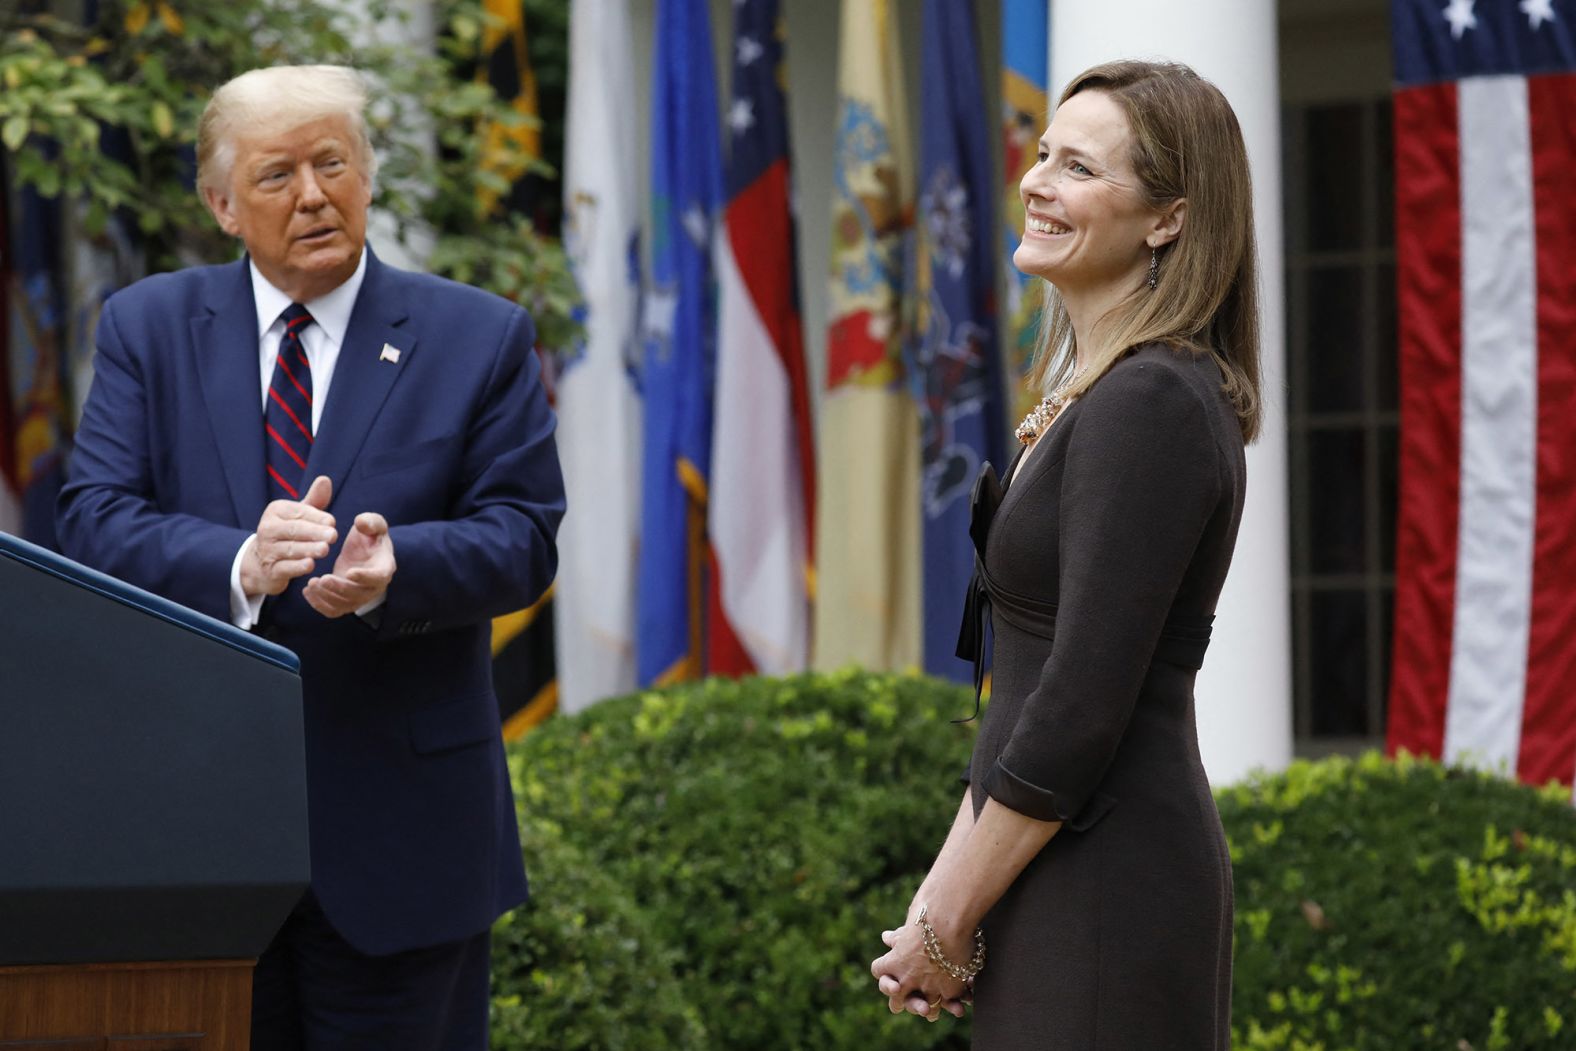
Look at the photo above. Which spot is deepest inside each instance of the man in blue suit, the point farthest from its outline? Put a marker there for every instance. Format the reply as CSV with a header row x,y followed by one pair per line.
x,y
358,463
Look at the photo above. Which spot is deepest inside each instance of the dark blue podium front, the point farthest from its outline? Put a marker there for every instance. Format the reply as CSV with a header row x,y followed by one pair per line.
x,y
152,774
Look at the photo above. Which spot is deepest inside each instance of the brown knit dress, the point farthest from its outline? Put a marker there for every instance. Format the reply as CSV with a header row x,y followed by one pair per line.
x,y
1102,567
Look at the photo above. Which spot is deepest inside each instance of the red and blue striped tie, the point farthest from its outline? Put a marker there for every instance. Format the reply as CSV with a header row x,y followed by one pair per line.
x,y
288,417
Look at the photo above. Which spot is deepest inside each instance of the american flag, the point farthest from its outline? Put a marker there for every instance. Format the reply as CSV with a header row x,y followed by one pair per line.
x,y
762,503
1485,127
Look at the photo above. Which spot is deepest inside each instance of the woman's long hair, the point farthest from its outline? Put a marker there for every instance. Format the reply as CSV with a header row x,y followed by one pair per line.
x,y
1186,144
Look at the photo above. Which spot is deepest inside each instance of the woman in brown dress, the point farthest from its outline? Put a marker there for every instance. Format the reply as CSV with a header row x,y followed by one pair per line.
x,y
1087,859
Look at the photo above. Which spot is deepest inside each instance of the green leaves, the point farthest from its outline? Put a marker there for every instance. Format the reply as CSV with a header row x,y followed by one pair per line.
x,y
162,118
1446,901
146,69
513,260
719,855
14,131
749,841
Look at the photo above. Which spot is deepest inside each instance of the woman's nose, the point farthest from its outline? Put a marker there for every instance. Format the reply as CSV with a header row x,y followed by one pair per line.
x,y
1036,182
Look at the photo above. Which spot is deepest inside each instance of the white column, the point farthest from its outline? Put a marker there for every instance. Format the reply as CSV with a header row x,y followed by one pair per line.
x,y
1244,691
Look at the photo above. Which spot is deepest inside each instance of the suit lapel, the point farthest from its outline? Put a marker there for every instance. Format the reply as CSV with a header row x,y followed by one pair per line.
x,y
224,342
363,376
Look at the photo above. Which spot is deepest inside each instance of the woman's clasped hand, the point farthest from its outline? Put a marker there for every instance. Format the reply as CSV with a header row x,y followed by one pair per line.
x,y
911,981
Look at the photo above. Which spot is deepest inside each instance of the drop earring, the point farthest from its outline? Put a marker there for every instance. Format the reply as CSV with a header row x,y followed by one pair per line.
x,y
1154,267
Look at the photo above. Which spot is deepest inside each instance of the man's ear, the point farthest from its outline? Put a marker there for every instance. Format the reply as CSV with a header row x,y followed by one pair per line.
x,y
1168,223
219,204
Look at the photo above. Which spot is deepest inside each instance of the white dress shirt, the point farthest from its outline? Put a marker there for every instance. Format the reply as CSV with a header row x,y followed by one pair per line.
x,y
321,341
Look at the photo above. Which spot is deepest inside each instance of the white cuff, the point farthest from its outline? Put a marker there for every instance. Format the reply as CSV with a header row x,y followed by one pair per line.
x,y
244,608
374,604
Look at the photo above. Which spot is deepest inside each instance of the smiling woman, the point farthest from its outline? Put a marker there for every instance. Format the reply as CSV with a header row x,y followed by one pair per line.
x,y
1086,853
1089,229
1144,174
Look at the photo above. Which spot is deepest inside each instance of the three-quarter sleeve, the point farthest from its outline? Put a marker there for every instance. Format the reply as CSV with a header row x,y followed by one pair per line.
x,y
1140,482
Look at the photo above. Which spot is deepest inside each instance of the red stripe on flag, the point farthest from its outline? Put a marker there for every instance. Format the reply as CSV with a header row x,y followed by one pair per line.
x,y
290,413
725,654
1428,273
286,486
1548,725
761,231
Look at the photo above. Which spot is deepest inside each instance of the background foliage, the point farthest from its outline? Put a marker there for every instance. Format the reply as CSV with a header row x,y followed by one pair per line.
x,y
711,867
1394,905
106,113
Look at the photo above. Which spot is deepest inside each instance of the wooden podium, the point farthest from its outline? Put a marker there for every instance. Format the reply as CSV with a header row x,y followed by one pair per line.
x,y
153,828
194,1006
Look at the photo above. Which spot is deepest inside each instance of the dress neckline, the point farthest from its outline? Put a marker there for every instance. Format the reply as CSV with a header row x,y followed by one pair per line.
x,y
1025,451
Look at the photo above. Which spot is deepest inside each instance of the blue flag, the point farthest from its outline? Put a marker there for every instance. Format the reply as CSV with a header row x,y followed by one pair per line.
x,y
680,323
956,372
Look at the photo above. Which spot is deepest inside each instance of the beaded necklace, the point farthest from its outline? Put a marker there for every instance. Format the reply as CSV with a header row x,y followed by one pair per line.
x,y
1044,414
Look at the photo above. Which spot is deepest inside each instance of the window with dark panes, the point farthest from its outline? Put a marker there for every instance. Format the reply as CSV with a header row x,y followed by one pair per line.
x,y
1342,391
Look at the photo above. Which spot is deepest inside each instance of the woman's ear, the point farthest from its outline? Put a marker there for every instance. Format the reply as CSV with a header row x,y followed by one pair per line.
x,y
1168,223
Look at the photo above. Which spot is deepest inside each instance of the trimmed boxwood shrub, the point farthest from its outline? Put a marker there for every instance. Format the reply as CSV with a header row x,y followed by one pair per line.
x,y
1397,905
711,866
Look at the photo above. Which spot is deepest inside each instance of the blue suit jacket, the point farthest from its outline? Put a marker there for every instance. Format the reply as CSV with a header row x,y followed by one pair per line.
x,y
412,821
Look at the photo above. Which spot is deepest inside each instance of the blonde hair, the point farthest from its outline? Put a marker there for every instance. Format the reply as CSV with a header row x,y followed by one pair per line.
x,y
1186,145
278,98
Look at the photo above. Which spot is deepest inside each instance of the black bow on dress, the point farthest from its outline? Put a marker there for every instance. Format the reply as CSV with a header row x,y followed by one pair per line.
x,y
975,628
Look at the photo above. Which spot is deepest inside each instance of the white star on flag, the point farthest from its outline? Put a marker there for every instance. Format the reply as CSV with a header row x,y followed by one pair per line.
x,y
750,49
1461,17
741,116
1538,11
695,224
662,304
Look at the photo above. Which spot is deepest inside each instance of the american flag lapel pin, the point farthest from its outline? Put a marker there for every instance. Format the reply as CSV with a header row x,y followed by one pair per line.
x,y
390,353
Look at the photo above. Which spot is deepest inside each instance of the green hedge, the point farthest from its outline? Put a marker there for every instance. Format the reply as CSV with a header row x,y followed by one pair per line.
x,y
1384,906
711,867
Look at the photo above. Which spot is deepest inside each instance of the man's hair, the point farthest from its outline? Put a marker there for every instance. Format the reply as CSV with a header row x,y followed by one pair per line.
x,y
278,98
1186,145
